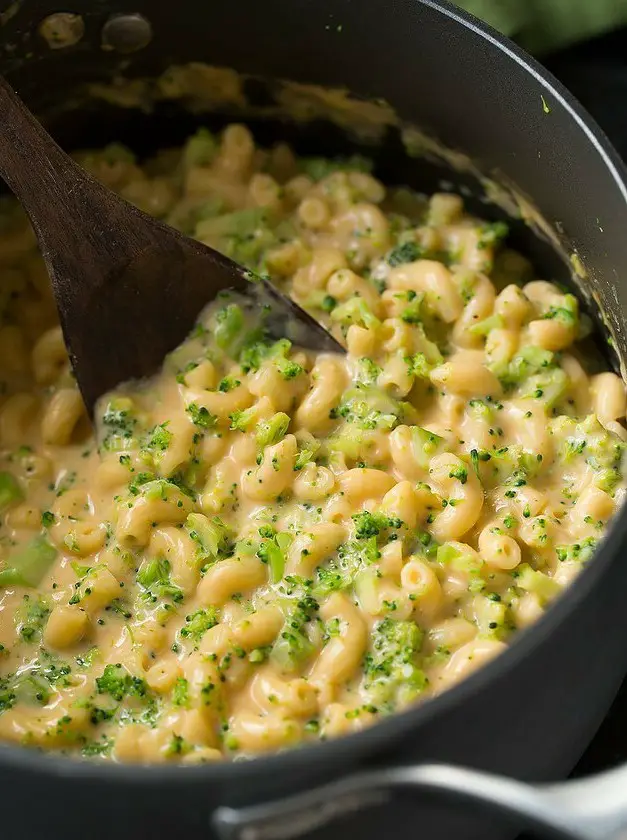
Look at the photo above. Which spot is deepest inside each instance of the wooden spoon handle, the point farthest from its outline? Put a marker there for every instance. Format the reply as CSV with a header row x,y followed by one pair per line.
x,y
78,222
31,163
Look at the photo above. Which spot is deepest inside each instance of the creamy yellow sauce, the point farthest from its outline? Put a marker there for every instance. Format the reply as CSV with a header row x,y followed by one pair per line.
x,y
263,545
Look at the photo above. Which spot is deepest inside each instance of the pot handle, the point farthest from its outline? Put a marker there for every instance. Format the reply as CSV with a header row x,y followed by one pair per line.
x,y
594,808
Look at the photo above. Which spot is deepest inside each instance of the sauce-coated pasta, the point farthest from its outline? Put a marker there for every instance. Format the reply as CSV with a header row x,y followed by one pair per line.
x,y
263,545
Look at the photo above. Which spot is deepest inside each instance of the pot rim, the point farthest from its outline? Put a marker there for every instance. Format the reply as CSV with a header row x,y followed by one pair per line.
x,y
388,730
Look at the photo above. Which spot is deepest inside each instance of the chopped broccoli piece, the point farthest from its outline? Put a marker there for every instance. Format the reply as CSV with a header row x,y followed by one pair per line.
x,y
449,554
31,618
369,407
392,675
425,445
10,490
550,386
460,473
608,480
292,647
581,551
318,168
228,383
212,535
491,616
229,324
330,579
197,624
528,361
271,551
406,252
180,692
368,371
288,368
27,566
255,353
372,524
154,578
118,424
48,518
157,443
117,682
413,312
493,234
354,555
243,420
482,328
534,581
200,149
100,747
567,313
201,416
306,455
273,430
355,310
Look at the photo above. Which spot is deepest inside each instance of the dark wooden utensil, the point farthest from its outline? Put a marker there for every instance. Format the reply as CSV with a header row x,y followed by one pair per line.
x,y
128,288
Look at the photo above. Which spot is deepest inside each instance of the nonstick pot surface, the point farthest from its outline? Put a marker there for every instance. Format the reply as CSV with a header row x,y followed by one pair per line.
x,y
532,712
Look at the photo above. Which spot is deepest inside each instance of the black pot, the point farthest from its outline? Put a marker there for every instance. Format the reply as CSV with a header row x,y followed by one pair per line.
x,y
530,713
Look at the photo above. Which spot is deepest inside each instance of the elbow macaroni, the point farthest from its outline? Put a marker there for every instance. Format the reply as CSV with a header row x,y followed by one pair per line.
x,y
263,545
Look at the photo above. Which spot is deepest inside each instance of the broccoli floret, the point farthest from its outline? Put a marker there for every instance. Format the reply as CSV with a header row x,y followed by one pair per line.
x,y
31,618
355,311
293,647
212,535
392,674
154,578
118,425
197,623
482,328
581,551
330,579
273,430
369,407
405,253
527,362
307,453
228,383
10,490
527,578
118,683
492,234
353,557
567,313
368,371
425,445
288,368
28,565
243,420
450,554
255,354
180,692
319,167
156,444
201,416
200,149
372,524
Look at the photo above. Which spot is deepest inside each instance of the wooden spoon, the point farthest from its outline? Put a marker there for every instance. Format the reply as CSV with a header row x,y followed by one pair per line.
x,y
128,288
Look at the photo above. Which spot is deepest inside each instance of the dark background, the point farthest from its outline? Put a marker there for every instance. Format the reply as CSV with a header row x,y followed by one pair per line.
x,y
596,72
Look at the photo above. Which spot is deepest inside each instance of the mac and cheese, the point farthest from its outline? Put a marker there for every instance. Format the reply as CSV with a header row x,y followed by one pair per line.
x,y
264,545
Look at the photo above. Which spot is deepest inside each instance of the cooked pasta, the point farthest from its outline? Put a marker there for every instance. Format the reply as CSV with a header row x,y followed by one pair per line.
x,y
263,545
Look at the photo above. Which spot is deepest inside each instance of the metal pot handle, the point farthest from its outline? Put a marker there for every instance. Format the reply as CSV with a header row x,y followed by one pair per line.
x,y
594,808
